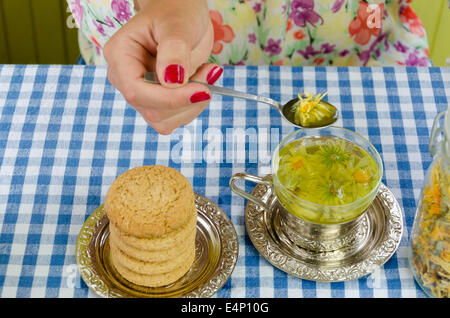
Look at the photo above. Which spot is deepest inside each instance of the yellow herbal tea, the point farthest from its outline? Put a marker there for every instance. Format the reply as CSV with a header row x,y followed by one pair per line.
x,y
327,171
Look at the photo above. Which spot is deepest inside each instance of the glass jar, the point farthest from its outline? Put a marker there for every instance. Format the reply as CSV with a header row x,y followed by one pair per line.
x,y
430,237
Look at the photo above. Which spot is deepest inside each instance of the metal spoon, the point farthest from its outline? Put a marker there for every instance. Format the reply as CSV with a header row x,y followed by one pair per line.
x,y
286,110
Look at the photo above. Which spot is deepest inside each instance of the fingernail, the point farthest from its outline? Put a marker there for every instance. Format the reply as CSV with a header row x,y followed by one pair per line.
x,y
199,97
214,75
174,74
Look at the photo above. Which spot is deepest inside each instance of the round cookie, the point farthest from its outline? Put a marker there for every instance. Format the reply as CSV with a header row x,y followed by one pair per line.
x,y
149,268
164,242
150,201
157,280
160,255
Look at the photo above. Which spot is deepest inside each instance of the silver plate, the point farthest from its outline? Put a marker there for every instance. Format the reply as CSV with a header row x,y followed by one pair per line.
x,y
378,239
216,253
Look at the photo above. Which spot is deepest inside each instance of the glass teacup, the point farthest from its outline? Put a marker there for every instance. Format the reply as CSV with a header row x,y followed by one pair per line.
x,y
305,221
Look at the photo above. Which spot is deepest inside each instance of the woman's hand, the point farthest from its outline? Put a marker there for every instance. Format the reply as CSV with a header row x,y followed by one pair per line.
x,y
173,38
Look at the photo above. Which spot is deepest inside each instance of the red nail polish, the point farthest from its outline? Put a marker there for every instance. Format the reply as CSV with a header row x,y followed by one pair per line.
x,y
174,74
199,97
214,75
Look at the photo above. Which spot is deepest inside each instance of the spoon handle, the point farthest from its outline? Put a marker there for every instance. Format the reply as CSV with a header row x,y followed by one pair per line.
x,y
150,77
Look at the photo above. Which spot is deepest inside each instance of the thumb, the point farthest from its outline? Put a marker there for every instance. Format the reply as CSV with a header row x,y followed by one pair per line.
x,y
173,59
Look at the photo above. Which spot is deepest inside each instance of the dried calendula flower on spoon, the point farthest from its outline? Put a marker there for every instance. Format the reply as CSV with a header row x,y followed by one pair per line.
x,y
312,111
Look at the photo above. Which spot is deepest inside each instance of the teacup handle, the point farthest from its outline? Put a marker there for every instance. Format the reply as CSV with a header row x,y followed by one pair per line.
x,y
245,195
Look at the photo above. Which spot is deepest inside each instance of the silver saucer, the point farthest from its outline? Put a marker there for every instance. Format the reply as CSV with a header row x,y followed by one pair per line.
x,y
216,254
377,240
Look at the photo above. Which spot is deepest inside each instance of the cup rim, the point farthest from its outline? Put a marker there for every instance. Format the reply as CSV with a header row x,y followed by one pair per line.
x,y
375,188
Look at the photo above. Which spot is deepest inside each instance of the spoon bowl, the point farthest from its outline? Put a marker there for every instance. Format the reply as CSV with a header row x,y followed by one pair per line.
x,y
286,110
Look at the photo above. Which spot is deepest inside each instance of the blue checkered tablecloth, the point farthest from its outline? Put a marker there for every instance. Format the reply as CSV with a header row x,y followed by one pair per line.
x,y
66,134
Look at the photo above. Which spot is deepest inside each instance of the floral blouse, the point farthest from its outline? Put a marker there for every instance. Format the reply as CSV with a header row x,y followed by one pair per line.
x,y
283,32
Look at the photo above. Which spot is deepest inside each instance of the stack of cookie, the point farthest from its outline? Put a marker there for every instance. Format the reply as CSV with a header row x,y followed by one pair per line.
x,y
153,219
